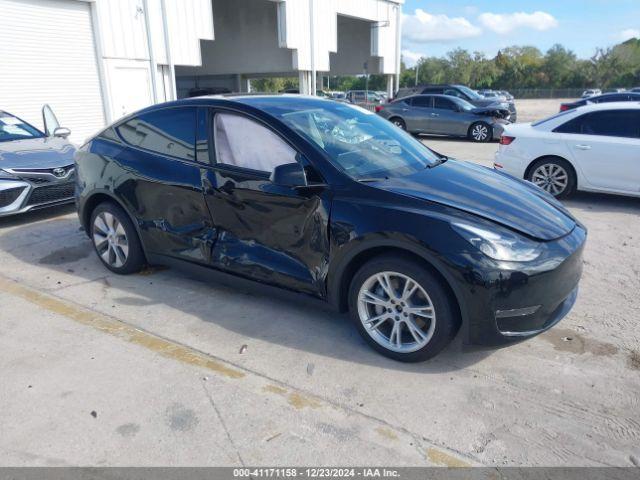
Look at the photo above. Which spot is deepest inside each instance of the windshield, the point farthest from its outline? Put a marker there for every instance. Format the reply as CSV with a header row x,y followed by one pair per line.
x,y
12,128
472,94
360,143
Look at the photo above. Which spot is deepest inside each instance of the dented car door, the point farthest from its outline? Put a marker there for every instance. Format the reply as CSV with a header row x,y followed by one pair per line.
x,y
272,233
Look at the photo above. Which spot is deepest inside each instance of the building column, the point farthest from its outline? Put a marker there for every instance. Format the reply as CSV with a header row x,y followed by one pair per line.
x,y
243,84
320,81
390,86
305,82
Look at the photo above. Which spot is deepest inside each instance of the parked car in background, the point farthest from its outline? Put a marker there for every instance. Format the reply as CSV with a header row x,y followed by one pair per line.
x,y
637,89
507,95
363,96
339,95
382,95
493,95
591,92
330,200
202,91
605,98
460,91
446,115
592,148
36,167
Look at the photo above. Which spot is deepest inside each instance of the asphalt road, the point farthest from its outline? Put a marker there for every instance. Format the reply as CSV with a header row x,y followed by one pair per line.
x,y
161,368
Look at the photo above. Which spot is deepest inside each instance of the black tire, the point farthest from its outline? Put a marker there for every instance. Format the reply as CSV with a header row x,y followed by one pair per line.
x,y
446,318
550,162
480,132
398,122
135,258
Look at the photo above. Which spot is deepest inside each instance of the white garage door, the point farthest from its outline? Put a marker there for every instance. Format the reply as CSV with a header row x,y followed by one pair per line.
x,y
47,55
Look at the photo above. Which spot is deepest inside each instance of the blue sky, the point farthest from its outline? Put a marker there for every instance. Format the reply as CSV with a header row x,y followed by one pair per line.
x,y
435,27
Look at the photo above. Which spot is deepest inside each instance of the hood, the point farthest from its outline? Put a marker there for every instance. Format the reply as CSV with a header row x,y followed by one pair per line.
x,y
497,111
488,194
47,152
486,102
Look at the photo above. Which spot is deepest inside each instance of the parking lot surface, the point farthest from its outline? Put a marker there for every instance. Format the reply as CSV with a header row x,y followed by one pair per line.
x,y
163,368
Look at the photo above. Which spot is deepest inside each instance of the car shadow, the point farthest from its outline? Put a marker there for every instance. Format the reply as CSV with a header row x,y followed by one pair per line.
x,y
238,305
603,202
36,215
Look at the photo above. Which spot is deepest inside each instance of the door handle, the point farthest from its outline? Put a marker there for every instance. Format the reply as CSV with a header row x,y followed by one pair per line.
x,y
435,114
405,109
583,147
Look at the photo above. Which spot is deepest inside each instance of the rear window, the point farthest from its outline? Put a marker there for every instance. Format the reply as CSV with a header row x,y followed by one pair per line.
x,y
170,132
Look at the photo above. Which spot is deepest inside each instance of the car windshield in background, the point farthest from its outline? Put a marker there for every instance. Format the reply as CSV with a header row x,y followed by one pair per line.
x,y
472,94
12,128
362,144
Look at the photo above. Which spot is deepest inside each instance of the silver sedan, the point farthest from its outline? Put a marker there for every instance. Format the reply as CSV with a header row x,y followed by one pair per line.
x,y
36,167
446,115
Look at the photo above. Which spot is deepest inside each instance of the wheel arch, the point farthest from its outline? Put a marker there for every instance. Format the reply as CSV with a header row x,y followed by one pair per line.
x,y
341,277
527,170
96,199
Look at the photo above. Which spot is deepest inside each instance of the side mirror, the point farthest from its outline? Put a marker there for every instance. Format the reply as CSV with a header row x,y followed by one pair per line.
x,y
289,175
50,121
61,132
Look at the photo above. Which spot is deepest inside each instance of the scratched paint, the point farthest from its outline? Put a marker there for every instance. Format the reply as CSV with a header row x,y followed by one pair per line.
x,y
118,329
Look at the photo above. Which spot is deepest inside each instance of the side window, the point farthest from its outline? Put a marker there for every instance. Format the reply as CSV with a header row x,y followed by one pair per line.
x,y
443,103
242,142
424,102
612,98
171,131
612,123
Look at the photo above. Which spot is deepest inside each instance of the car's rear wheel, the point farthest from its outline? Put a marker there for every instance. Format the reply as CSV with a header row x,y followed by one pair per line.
x,y
398,122
480,132
554,175
401,309
115,239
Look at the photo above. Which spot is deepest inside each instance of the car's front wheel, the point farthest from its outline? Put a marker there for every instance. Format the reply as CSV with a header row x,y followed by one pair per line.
x,y
480,132
115,239
401,309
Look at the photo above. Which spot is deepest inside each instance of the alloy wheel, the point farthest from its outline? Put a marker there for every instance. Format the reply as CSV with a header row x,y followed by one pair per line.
x,y
399,123
110,239
551,177
396,312
480,133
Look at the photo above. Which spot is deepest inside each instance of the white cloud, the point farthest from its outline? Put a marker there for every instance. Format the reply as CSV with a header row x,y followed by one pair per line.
x,y
628,33
508,22
411,58
423,27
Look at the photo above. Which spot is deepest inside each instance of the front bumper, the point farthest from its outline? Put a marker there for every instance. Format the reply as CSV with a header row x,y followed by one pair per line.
x,y
35,190
509,301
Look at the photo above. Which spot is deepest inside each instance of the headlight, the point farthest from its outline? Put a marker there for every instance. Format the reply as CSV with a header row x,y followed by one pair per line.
x,y
4,175
500,244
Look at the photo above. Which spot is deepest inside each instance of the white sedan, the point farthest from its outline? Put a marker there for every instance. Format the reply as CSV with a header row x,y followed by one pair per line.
x,y
594,148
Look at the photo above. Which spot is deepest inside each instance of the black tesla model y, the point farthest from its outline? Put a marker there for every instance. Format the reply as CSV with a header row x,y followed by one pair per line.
x,y
328,199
